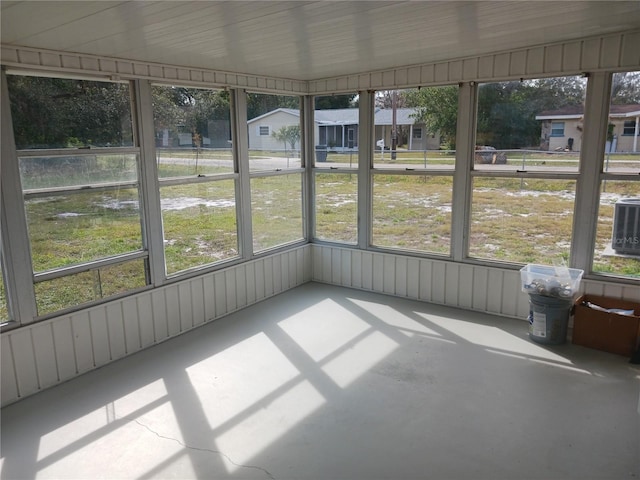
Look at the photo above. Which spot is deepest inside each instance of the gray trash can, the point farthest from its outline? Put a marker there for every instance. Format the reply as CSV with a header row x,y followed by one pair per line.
x,y
321,153
548,318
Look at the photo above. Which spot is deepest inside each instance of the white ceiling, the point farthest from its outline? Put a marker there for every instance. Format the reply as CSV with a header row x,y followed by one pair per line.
x,y
305,40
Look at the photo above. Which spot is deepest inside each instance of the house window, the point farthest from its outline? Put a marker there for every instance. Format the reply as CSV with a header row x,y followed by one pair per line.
x,y
557,129
629,127
417,133
263,130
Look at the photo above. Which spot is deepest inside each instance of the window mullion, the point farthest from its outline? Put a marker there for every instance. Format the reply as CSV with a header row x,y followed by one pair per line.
x,y
365,164
465,141
150,190
596,116
16,251
240,135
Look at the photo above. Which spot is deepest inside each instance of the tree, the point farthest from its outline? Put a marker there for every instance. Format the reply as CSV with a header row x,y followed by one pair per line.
x,y
289,135
58,113
437,108
333,102
625,88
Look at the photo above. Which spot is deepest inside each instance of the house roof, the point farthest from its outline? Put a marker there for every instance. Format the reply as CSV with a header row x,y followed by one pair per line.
x,y
349,116
577,111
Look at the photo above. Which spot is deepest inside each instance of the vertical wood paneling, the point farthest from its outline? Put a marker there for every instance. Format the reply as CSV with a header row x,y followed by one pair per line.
x,y
250,273
284,271
295,268
115,327
413,278
186,310
230,284
494,291
260,286
268,277
276,274
336,270
159,309
221,294
377,273
22,349
438,282
367,270
145,320
356,269
65,349
197,301
630,56
613,290
8,383
465,286
241,286
401,276
99,336
173,310
131,325
345,267
317,255
82,341
510,293
610,53
480,289
425,280
45,355
451,284
326,265
389,274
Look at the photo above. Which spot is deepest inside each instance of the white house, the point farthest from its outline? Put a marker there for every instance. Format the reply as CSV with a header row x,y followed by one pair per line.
x,y
562,128
338,129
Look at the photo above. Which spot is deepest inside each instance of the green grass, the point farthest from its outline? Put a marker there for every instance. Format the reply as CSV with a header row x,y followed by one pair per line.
x,y
514,220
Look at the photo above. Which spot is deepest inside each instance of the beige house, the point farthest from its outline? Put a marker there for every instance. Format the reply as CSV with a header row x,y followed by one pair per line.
x,y
562,128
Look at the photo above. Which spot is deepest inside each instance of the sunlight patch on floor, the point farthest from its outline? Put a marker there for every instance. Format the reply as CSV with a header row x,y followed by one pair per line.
x,y
357,360
492,337
321,334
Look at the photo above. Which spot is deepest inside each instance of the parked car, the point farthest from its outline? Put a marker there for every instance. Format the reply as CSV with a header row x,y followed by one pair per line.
x,y
489,155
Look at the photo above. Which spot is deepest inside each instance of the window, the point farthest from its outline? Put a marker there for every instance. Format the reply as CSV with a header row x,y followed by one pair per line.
x,y
557,129
276,171
336,207
79,175
264,130
412,182
629,127
197,176
400,118
412,212
523,190
617,246
335,173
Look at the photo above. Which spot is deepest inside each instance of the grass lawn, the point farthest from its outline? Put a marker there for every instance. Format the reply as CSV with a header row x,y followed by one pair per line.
x,y
522,221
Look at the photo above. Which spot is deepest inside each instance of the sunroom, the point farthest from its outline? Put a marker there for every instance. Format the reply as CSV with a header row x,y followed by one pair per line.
x,y
136,210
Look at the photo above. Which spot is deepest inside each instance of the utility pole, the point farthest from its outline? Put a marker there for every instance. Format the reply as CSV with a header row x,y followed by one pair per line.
x,y
394,129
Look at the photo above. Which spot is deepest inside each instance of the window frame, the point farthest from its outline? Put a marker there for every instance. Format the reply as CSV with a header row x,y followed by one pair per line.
x,y
559,132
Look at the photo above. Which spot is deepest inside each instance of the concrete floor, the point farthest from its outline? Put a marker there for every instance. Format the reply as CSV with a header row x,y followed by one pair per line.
x,y
329,383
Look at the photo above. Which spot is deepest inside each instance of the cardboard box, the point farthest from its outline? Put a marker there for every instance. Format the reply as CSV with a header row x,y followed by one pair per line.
x,y
611,332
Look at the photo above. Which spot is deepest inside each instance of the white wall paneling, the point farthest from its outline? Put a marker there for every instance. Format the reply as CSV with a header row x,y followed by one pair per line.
x,y
46,353
473,287
24,58
616,51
